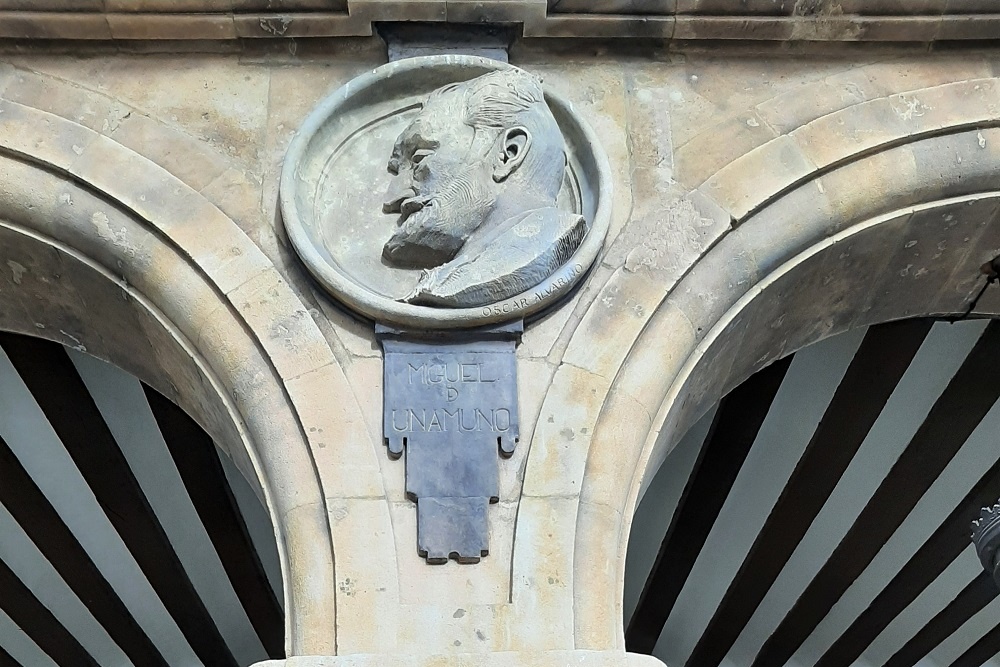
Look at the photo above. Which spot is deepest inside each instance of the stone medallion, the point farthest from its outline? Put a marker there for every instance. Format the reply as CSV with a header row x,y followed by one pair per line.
x,y
446,192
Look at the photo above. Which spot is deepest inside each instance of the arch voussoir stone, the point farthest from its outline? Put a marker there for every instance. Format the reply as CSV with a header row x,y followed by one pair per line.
x,y
808,239
153,242
844,136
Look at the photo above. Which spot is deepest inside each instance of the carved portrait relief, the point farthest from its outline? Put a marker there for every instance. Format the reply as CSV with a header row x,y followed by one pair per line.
x,y
446,192
475,177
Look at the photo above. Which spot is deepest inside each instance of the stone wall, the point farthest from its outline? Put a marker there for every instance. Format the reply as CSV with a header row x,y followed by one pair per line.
x,y
762,200
771,20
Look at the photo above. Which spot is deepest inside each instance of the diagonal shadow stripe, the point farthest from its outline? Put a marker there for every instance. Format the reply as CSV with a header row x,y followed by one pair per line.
x,y
732,434
27,611
31,509
7,660
984,649
197,461
881,360
964,403
976,595
929,561
52,378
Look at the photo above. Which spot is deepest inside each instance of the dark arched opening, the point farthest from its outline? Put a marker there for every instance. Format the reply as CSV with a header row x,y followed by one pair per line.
x,y
819,513
126,535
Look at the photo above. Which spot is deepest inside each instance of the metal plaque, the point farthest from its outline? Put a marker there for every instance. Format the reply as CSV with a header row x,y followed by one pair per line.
x,y
450,402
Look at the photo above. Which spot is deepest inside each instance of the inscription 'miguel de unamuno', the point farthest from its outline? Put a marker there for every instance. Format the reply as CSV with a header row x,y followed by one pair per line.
x,y
451,381
443,420
451,372
452,406
449,390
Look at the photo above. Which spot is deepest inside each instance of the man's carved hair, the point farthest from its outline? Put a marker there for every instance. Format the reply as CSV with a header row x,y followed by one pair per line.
x,y
494,102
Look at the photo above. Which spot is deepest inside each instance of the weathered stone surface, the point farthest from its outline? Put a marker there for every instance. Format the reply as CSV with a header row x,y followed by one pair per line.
x,y
221,103
828,20
179,153
283,5
600,564
185,6
648,372
53,5
547,336
562,435
150,183
62,25
927,255
368,595
704,155
582,658
502,11
957,296
543,572
568,25
775,167
795,108
953,28
759,7
623,305
325,394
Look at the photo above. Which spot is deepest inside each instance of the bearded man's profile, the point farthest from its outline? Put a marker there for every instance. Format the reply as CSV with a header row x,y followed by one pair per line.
x,y
475,180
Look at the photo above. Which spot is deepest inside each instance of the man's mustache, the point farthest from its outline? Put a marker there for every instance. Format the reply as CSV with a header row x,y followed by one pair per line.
x,y
413,205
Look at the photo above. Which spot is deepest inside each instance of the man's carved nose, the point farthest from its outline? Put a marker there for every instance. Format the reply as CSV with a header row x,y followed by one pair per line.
x,y
398,192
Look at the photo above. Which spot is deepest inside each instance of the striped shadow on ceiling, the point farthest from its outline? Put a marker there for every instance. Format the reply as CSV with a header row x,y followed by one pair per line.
x,y
125,537
819,515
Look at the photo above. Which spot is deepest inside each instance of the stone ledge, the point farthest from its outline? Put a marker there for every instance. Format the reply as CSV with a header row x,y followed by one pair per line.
x,y
924,21
504,659
746,8
173,6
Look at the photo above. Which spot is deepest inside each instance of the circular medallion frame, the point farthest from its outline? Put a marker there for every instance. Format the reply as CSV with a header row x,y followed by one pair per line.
x,y
321,190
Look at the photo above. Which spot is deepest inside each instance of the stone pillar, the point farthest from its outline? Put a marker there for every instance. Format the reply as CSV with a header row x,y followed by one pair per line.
x,y
449,279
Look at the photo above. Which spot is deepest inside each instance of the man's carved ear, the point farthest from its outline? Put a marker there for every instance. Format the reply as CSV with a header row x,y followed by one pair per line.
x,y
514,145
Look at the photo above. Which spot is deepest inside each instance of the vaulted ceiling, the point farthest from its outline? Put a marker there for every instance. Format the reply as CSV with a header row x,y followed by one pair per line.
x,y
125,538
819,514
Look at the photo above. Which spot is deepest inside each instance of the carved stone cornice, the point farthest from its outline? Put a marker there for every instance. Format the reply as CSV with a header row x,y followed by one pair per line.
x,y
755,20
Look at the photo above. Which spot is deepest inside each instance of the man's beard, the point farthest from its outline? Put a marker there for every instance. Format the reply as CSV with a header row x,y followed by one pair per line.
x,y
436,232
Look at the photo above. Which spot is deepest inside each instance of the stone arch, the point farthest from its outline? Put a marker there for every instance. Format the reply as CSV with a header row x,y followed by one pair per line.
x,y
100,244
863,182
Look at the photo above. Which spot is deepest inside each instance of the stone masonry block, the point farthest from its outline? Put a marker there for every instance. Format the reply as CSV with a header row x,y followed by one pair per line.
x,y
284,327
54,25
744,185
171,26
711,150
